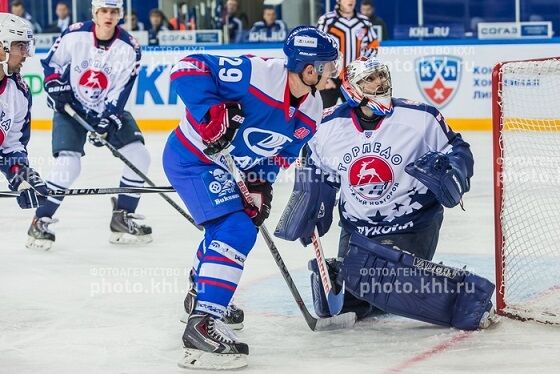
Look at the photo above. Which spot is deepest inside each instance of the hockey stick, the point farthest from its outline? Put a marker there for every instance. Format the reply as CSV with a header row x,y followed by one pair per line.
x,y
96,191
335,302
71,112
342,321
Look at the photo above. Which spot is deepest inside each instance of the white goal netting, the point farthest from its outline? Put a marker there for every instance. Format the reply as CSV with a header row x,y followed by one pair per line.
x,y
528,189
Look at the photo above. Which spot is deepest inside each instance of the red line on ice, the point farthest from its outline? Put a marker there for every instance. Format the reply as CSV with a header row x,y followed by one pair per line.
x,y
429,353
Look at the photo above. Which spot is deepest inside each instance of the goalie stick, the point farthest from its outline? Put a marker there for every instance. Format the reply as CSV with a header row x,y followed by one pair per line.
x,y
335,301
342,321
96,191
72,113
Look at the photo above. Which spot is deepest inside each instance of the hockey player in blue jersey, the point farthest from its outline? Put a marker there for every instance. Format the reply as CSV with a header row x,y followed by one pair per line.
x,y
17,43
396,163
262,112
92,67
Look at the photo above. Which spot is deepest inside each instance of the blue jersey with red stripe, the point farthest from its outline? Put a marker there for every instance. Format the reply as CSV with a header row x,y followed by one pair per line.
x,y
273,131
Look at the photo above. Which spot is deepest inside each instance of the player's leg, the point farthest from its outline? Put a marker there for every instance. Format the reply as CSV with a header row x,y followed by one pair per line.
x,y
68,139
130,143
400,283
213,200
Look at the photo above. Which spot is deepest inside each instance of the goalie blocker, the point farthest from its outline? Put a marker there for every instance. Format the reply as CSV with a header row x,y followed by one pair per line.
x,y
400,283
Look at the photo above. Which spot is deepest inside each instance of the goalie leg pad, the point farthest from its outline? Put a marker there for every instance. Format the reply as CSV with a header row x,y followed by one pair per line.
x,y
311,203
399,283
351,304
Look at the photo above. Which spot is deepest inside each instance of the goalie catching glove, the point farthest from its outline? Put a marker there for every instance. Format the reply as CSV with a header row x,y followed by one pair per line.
x,y
224,121
444,175
261,192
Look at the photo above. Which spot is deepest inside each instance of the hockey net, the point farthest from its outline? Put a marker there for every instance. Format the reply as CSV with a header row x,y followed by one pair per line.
x,y
526,134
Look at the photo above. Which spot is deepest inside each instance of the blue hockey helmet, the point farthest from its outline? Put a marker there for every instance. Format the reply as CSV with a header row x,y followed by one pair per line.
x,y
307,45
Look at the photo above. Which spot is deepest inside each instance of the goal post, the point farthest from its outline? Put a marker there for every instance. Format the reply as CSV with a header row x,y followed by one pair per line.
x,y
526,145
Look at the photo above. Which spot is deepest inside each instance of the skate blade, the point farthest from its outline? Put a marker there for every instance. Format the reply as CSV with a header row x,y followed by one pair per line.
x,y
234,326
123,238
197,359
42,244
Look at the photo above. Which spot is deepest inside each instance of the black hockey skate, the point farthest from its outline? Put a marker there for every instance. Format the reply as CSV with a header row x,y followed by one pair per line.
x,y
233,316
39,236
209,344
124,230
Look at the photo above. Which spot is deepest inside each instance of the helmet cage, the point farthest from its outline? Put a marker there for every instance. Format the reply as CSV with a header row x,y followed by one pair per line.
x,y
358,79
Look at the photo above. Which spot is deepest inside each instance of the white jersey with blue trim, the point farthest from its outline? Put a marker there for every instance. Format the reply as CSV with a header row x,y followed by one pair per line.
x,y
101,77
15,117
273,132
377,196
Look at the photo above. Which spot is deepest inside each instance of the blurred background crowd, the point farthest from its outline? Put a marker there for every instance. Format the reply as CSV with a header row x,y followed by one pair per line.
x,y
270,20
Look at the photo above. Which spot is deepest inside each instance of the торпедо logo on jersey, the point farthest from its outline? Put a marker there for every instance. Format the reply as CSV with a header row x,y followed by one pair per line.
x,y
91,85
370,177
438,78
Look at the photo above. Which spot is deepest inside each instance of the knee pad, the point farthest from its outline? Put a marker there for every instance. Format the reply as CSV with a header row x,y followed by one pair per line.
x,y
236,230
139,156
66,169
400,283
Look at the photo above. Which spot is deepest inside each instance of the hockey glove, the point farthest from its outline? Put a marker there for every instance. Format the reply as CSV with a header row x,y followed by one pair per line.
x,y
59,93
108,124
442,175
105,126
33,190
262,196
225,120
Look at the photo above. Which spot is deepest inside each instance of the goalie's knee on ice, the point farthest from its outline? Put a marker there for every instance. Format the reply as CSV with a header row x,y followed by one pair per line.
x,y
400,283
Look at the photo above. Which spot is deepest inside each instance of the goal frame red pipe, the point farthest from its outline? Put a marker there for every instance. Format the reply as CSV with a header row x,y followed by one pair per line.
x,y
497,149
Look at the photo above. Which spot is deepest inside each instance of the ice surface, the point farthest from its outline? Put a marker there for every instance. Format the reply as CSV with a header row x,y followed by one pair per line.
x,y
91,307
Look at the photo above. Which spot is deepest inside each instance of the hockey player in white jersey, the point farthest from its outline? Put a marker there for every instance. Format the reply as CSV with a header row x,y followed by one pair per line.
x,y
16,44
92,67
397,164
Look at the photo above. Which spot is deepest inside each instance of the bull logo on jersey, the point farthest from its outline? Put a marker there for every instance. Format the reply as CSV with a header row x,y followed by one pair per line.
x,y
92,85
264,142
438,78
370,177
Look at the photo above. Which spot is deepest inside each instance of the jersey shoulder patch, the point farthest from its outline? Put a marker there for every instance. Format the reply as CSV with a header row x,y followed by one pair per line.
x,y
20,84
79,26
338,111
415,105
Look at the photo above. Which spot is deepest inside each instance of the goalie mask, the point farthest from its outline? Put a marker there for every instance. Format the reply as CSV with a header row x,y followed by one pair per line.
x,y
367,82
15,33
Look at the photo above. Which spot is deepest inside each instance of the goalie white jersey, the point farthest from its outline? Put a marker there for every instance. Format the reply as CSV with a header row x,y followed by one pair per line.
x,y
101,76
377,196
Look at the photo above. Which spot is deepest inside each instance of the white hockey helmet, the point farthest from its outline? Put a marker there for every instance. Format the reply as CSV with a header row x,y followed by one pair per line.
x,y
117,4
15,29
360,74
